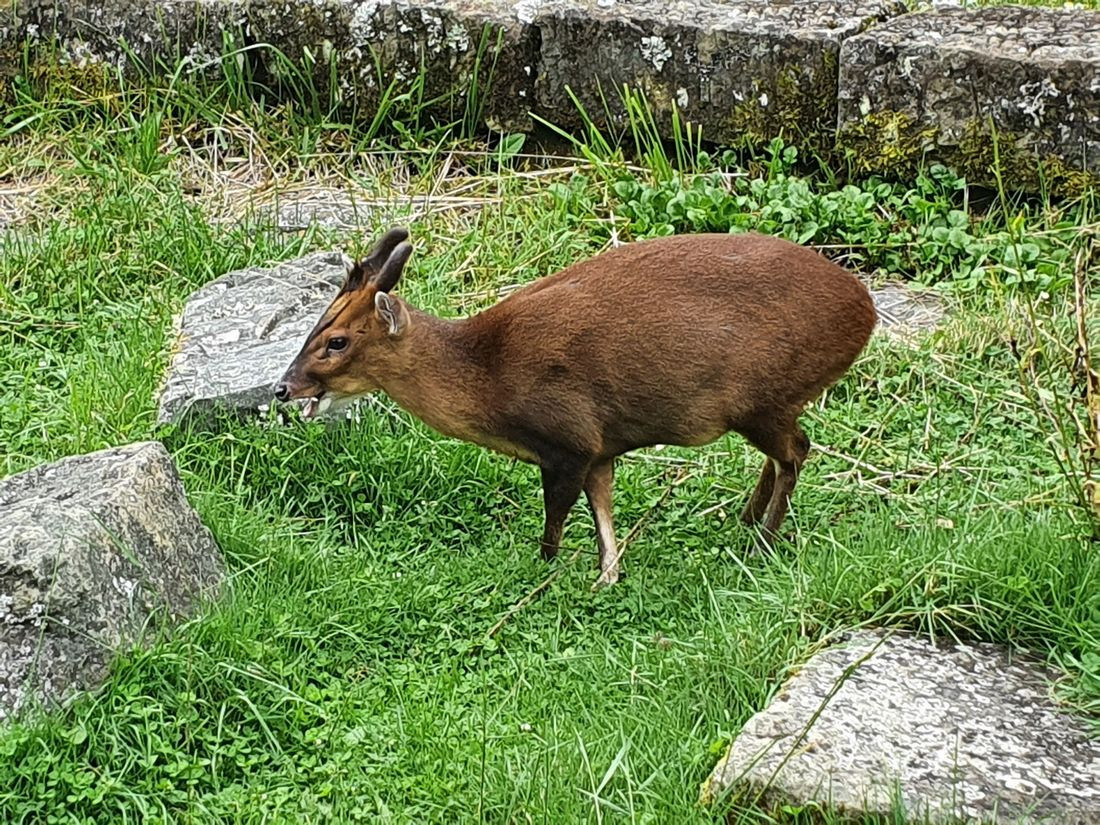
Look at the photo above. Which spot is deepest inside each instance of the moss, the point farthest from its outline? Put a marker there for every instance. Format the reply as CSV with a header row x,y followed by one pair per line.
x,y
56,81
977,156
893,143
886,141
800,109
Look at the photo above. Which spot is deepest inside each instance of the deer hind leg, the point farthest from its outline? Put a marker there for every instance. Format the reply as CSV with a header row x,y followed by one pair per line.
x,y
561,487
597,488
761,495
786,447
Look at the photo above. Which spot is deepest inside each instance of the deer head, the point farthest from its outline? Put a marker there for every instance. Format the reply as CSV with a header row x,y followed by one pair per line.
x,y
359,336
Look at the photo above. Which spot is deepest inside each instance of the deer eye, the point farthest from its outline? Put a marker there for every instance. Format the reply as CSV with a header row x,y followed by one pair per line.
x,y
336,344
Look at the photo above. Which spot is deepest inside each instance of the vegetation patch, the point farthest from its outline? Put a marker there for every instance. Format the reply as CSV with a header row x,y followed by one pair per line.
x,y
803,110
894,143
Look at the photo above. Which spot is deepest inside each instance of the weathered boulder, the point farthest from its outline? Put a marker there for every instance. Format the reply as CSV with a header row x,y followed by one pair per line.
x,y
958,732
745,72
12,35
935,85
239,333
146,35
475,58
95,551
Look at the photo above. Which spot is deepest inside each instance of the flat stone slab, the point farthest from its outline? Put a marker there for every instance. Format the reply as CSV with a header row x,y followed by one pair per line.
x,y
925,86
904,312
239,333
96,550
351,210
329,208
743,71
961,732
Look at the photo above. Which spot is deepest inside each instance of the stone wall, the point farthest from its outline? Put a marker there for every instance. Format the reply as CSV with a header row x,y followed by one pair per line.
x,y
858,80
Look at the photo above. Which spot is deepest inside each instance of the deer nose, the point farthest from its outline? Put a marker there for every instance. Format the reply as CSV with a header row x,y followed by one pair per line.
x,y
282,392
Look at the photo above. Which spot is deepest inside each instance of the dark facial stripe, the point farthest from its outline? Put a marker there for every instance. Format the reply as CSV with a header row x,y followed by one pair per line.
x,y
322,325
330,318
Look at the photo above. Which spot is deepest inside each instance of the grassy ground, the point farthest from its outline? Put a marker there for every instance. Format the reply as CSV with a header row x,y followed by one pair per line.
x,y
347,675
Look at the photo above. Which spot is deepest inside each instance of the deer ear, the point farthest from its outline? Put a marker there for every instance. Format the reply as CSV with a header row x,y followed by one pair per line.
x,y
390,273
367,270
392,313
381,252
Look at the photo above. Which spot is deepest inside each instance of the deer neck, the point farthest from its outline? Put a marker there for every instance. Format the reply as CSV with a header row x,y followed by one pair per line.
x,y
441,380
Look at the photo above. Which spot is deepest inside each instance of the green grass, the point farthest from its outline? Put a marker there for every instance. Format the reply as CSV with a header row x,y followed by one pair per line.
x,y
347,674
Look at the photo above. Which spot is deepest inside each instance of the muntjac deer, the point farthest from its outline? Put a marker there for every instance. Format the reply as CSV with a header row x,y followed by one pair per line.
x,y
676,340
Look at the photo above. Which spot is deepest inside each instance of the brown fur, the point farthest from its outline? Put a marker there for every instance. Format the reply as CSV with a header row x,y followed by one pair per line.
x,y
671,341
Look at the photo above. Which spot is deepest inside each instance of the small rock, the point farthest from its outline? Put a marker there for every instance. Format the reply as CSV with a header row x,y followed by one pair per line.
x,y
239,333
960,732
96,550
331,209
904,312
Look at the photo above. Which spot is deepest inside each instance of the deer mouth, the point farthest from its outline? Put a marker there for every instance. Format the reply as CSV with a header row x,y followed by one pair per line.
x,y
316,405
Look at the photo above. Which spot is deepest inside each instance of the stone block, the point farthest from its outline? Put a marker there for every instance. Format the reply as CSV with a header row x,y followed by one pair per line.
x,y
745,72
934,86
12,36
239,333
476,58
955,733
153,36
96,550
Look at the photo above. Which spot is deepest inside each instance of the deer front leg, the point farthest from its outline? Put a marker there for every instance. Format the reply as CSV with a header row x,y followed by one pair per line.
x,y
598,488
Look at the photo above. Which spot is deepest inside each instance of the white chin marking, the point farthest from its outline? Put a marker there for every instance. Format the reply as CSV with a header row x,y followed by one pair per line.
x,y
316,406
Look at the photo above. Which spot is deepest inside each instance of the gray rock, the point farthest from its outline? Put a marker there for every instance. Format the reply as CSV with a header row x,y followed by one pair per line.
x,y
151,35
925,87
904,312
961,732
239,333
95,551
476,57
357,209
330,208
12,35
745,72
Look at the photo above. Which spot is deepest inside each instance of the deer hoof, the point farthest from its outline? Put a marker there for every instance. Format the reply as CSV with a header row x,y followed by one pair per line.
x,y
606,579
